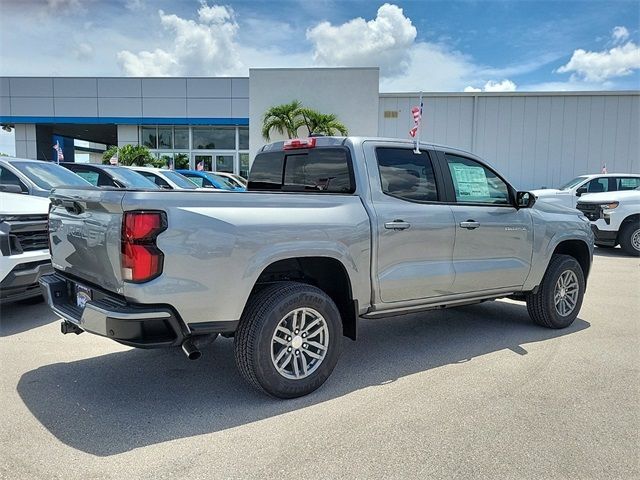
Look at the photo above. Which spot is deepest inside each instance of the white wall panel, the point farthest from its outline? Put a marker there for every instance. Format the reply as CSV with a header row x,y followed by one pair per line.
x,y
534,139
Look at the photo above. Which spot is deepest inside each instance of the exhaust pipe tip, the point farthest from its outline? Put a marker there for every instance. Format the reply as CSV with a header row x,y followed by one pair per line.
x,y
190,350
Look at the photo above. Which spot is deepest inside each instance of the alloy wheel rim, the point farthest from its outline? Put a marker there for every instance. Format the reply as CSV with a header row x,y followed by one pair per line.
x,y
299,343
565,295
635,240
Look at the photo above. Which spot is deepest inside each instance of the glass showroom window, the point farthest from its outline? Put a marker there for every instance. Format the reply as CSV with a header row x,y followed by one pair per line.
x,y
243,138
149,137
181,138
165,138
214,138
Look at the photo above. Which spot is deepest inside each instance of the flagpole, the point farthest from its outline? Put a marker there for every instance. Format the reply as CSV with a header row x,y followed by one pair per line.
x,y
417,150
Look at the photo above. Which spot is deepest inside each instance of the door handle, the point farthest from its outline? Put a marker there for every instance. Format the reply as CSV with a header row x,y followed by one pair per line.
x,y
470,224
397,225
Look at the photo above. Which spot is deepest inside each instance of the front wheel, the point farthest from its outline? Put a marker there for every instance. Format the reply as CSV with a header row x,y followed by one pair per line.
x,y
630,238
289,339
559,297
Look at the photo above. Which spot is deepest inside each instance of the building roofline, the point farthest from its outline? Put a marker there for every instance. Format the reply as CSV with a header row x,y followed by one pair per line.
x,y
508,94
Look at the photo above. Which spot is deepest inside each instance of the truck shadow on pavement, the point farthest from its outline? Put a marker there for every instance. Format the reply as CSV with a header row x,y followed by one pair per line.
x,y
115,403
611,253
17,318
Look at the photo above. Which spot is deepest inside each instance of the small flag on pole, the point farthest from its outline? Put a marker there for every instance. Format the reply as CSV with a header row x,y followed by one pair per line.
x,y
58,149
416,114
114,160
604,168
200,166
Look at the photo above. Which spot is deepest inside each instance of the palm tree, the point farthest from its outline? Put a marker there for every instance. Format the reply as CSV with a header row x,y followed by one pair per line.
x,y
283,119
322,123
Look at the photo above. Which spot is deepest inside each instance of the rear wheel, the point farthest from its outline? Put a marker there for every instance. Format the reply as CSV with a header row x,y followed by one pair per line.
x,y
630,238
288,340
559,297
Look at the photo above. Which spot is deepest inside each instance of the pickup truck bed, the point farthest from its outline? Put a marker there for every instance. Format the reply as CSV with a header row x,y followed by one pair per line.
x,y
330,230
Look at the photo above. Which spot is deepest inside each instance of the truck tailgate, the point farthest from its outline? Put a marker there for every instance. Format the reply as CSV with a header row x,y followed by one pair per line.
x,y
85,234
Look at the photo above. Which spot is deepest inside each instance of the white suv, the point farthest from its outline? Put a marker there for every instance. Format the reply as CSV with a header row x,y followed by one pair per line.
x,y
615,218
569,193
24,245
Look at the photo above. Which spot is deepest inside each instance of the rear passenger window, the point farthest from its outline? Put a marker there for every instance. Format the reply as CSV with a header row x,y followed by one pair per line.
x,y
89,176
407,175
628,183
320,170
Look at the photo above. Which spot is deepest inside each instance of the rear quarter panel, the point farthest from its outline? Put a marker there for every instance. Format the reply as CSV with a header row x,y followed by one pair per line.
x,y
217,244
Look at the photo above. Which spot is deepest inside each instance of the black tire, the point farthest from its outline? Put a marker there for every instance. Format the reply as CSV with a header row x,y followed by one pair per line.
x,y
252,343
541,305
628,232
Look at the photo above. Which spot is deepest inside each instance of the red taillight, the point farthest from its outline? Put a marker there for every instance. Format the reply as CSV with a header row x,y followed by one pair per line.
x,y
141,259
297,143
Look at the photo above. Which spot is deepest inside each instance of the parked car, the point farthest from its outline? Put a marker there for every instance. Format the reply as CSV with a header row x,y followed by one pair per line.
x,y
109,175
330,230
208,180
615,218
167,179
569,193
35,177
24,245
236,180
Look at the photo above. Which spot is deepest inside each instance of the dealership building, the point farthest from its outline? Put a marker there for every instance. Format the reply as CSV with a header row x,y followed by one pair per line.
x,y
535,138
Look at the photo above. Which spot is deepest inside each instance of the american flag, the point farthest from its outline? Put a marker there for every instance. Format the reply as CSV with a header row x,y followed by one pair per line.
x,y
58,150
200,166
416,113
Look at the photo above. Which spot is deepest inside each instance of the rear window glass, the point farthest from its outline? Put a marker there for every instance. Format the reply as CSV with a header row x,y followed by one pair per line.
x,y
130,178
322,170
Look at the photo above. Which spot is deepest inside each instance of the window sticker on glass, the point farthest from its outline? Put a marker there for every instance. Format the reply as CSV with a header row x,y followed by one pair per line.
x,y
469,181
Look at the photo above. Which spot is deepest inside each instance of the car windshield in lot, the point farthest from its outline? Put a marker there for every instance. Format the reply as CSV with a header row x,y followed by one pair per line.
x,y
572,183
180,180
130,178
49,175
223,181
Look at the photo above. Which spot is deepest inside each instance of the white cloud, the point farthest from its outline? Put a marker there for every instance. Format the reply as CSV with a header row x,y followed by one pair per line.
x,y
493,86
619,61
619,34
383,41
206,46
503,86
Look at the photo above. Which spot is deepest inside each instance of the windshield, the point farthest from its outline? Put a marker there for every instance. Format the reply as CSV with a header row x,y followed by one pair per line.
x,y
49,175
180,180
224,183
572,183
130,179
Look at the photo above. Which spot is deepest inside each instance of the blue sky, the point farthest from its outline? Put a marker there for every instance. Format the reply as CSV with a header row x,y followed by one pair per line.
x,y
428,45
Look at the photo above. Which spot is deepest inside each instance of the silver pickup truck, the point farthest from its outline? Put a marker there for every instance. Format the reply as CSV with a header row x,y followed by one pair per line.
x,y
330,230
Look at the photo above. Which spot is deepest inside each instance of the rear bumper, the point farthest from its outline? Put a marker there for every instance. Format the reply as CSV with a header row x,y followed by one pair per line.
x,y
604,237
109,316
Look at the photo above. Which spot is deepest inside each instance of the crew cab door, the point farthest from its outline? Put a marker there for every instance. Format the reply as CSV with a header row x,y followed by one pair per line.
x,y
494,240
413,247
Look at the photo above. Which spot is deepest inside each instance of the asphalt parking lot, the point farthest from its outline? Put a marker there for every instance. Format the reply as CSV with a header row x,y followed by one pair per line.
x,y
477,392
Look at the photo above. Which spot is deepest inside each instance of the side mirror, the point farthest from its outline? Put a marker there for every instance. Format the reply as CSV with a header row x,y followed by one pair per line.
x,y
525,200
581,191
10,188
